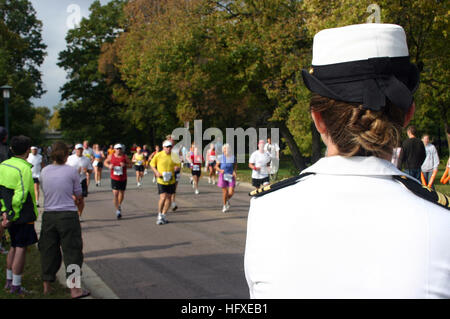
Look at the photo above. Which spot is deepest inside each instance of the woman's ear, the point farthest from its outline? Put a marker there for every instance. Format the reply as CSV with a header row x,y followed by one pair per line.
x,y
318,121
409,114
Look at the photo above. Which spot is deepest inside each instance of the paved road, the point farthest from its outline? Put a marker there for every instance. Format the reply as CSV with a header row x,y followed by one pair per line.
x,y
199,254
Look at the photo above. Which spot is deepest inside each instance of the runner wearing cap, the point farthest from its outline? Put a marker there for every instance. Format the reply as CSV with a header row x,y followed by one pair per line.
x,y
35,159
164,164
118,162
84,166
138,161
352,224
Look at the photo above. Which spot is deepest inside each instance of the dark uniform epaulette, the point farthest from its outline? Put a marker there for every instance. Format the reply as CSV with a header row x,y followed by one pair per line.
x,y
424,192
263,190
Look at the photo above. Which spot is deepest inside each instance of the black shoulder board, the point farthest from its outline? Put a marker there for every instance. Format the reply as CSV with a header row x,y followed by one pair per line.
x,y
263,190
424,192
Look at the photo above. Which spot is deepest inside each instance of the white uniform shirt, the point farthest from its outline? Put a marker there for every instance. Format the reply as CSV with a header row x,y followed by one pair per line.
x,y
80,163
431,161
350,231
36,161
260,160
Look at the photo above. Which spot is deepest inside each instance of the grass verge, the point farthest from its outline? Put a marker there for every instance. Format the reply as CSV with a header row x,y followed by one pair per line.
x,y
31,278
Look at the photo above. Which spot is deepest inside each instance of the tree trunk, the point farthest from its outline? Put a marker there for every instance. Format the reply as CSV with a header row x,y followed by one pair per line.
x,y
297,156
447,132
316,144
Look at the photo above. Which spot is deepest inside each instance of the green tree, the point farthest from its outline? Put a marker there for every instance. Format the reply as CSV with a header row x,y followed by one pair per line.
x,y
21,54
426,23
90,111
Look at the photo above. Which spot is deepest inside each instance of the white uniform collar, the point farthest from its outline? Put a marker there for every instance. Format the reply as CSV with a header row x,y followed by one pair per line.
x,y
355,165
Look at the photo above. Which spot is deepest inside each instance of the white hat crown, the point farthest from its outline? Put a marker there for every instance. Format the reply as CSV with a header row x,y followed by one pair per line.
x,y
359,42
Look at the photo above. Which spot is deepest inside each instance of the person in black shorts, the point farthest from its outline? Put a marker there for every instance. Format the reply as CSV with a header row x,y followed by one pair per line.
x,y
196,168
18,215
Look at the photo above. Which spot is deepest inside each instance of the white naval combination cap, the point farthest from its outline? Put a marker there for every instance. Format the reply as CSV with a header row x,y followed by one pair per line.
x,y
78,146
363,63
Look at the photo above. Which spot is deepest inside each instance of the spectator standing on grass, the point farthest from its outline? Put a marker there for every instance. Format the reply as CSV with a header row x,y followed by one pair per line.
x,y
431,162
19,211
60,228
413,154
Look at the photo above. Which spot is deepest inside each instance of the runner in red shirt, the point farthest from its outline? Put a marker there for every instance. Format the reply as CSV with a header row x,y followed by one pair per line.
x,y
196,167
118,163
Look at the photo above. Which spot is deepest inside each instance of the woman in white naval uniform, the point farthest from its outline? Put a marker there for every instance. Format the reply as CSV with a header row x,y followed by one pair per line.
x,y
352,225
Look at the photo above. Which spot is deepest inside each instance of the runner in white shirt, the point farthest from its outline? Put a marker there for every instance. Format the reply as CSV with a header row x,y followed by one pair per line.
x,y
352,225
36,160
274,151
84,166
259,163
89,153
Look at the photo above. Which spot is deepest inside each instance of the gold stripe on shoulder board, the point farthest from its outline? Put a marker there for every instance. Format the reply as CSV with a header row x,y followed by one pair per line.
x,y
443,199
263,190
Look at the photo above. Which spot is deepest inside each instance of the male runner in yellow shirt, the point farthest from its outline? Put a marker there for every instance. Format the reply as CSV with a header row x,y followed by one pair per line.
x,y
164,165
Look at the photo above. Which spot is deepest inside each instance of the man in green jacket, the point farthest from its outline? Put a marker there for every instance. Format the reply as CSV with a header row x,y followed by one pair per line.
x,y
18,208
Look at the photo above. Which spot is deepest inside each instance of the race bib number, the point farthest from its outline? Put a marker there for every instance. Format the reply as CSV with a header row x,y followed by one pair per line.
x,y
139,163
118,170
95,163
212,158
196,167
167,176
228,177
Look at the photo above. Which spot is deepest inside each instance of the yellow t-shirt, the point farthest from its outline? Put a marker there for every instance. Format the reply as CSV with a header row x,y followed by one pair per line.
x,y
165,165
139,158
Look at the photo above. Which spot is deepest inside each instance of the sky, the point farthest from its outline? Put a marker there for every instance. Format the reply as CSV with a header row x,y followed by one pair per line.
x,y
57,18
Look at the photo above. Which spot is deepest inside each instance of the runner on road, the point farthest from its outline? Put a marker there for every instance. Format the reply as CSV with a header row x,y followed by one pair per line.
x,y
99,157
157,150
211,163
146,152
259,162
139,161
226,166
36,160
164,164
118,164
83,166
89,153
196,167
